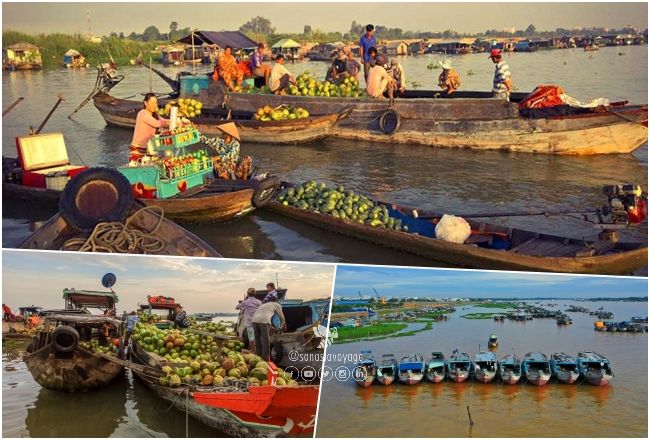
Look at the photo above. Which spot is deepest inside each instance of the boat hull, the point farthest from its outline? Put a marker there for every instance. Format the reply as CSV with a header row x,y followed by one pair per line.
x,y
485,376
122,113
410,378
619,263
435,377
567,377
458,377
79,370
510,378
462,123
598,379
365,383
538,379
385,379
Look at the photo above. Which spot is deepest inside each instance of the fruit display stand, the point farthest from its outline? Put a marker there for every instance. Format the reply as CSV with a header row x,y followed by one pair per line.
x,y
171,170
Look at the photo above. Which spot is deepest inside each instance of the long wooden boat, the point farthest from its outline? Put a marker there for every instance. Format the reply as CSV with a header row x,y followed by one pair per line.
x,y
458,367
510,369
436,367
463,120
58,362
485,366
594,368
177,241
366,370
260,411
536,368
411,369
489,247
564,367
387,369
122,113
221,200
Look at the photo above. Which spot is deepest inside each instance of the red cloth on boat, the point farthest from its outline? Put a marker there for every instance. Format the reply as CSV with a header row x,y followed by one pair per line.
x,y
543,97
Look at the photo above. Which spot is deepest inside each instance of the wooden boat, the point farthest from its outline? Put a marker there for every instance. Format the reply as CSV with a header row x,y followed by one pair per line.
x,y
489,247
57,357
177,241
510,369
122,113
493,342
591,47
22,56
458,367
387,369
220,200
564,368
485,366
411,369
366,370
260,411
563,320
594,368
459,121
436,367
536,368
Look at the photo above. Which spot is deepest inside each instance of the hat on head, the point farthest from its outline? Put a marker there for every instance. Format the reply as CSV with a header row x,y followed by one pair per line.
x,y
231,129
445,64
495,53
382,60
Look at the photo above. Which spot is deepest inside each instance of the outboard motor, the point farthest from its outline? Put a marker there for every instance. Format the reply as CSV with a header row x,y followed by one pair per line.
x,y
626,204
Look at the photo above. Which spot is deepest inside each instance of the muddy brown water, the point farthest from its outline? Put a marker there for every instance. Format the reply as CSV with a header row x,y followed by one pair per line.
x,y
554,410
436,179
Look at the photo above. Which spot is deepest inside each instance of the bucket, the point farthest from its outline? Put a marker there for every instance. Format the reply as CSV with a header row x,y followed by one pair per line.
x,y
57,180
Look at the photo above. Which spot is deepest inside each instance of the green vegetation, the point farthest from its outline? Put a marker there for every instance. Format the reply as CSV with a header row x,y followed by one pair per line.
x,y
54,46
497,305
488,315
347,333
432,315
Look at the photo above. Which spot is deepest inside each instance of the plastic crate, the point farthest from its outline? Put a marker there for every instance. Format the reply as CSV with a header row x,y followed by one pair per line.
x,y
146,181
188,83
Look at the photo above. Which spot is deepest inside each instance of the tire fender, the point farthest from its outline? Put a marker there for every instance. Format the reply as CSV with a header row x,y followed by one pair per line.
x,y
265,191
65,338
389,122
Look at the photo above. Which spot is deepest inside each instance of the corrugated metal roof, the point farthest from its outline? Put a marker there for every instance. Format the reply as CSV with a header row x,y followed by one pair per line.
x,y
234,39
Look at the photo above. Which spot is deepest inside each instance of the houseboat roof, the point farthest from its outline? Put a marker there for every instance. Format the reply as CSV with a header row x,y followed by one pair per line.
x,y
286,43
90,298
23,46
234,39
72,53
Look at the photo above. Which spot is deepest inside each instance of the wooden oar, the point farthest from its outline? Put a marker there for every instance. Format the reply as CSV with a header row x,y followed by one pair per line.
x,y
12,105
47,118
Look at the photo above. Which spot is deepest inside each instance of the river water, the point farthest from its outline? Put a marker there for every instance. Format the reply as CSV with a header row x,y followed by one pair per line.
x,y
554,410
429,178
125,408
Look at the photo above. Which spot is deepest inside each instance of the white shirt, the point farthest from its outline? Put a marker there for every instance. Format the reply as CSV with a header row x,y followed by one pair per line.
x,y
265,312
277,72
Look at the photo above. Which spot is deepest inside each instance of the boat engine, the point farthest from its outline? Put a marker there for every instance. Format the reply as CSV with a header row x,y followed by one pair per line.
x,y
626,204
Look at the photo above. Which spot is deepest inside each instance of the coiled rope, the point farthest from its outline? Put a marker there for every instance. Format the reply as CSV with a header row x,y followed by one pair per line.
x,y
116,237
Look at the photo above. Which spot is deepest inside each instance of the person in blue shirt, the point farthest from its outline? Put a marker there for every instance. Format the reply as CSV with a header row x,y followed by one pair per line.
x,y
367,41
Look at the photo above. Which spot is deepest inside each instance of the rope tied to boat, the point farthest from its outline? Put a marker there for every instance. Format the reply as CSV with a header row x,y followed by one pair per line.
x,y
116,237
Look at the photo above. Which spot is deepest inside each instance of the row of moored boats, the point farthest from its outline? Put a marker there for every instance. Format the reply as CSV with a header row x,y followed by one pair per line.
x,y
535,368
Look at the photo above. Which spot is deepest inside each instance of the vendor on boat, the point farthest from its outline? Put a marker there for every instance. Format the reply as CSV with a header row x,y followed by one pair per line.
x,y
227,149
262,321
352,65
181,319
338,70
227,69
271,293
249,306
259,69
367,42
449,78
380,82
399,75
280,77
502,83
146,124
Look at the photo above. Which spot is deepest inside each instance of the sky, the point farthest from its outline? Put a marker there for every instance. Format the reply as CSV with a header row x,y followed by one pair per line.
x,y
414,282
291,17
200,285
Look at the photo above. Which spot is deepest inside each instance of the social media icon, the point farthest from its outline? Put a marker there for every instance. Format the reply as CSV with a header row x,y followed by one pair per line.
x,y
327,373
342,373
359,373
293,371
309,373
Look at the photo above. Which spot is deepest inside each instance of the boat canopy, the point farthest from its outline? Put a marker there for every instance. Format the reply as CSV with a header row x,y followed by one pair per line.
x,y
286,43
88,298
72,53
235,39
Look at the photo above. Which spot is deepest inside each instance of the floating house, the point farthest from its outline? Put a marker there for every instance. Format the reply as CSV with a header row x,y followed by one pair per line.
x,y
22,56
205,46
288,47
172,55
73,59
395,48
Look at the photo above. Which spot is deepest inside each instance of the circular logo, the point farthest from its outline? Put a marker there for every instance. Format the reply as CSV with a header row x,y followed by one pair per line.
x,y
327,374
342,373
309,374
359,373
293,371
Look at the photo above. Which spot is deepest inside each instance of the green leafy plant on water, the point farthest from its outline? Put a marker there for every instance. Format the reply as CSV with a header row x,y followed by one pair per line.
x,y
368,331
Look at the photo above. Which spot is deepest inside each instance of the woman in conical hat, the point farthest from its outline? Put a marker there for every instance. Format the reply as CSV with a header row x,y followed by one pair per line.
x,y
449,78
227,148
229,129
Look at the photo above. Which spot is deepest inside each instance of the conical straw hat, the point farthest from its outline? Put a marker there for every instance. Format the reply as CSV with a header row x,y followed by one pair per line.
x,y
231,129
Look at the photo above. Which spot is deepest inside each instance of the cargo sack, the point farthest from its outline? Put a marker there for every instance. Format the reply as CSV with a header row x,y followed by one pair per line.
x,y
453,229
543,97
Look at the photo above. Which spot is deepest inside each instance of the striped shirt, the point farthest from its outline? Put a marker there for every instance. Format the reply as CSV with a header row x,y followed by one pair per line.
x,y
501,74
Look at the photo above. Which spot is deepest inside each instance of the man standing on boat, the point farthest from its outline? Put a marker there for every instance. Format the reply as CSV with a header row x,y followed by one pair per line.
x,y
502,84
249,306
131,320
367,41
271,293
262,321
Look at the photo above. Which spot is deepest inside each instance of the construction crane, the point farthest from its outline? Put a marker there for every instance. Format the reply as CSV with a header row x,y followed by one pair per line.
x,y
381,299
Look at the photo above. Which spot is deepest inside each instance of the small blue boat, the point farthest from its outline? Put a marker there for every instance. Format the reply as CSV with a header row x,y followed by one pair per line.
x,y
594,368
564,367
485,366
366,369
411,369
387,369
436,367
510,369
536,368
